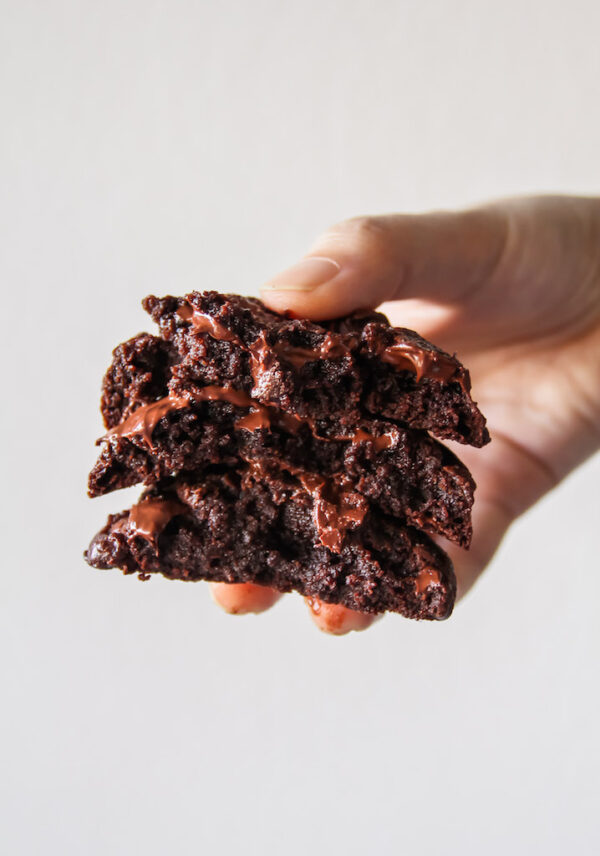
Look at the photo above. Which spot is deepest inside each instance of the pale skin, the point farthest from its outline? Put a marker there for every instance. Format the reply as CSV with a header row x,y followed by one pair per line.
x,y
514,289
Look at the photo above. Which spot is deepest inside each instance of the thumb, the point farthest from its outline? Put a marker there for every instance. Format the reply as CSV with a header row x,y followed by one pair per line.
x,y
362,262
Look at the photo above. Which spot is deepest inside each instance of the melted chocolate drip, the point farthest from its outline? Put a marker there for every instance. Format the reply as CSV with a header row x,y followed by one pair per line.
x,y
403,355
332,348
261,361
336,508
149,517
384,441
425,578
333,518
144,420
256,419
425,363
205,323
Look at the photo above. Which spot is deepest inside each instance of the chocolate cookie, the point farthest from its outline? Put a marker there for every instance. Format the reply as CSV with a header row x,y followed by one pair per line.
x,y
330,373
405,473
274,530
295,453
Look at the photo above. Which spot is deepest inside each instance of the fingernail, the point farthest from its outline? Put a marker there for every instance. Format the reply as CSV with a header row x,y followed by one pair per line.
x,y
304,276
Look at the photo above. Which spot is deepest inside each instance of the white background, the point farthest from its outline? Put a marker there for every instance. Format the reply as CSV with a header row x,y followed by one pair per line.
x,y
164,146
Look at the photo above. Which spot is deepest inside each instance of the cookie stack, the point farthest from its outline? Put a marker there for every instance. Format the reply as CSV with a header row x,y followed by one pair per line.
x,y
287,453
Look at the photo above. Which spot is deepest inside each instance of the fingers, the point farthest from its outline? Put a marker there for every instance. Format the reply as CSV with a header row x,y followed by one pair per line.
x,y
497,273
336,619
365,261
243,598
246,598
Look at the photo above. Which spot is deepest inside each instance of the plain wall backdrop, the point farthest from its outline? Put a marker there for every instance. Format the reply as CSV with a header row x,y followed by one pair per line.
x,y
164,146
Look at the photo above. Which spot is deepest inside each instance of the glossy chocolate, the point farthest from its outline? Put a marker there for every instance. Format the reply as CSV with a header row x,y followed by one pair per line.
x,y
402,355
335,507
205,323
149,517
425,364
144,420
426,578
332,348
383,441
255,420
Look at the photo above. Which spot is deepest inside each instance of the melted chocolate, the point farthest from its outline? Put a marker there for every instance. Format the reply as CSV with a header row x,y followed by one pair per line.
x,y
255,420
335,507
261,360
403,355
332,348
332,519
265,417
145,419
261,353
425,363
237,397
205,323
149,517
384,441
425,578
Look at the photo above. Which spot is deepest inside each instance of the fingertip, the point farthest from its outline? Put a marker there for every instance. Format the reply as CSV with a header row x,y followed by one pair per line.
x,y
350,267
353,265
338,620
243,598
306,289
346,293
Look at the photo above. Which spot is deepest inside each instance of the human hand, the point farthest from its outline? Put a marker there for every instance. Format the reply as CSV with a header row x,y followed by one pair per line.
x,y
514,289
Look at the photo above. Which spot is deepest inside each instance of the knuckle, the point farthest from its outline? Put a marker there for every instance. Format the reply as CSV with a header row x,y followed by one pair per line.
x,y
365,233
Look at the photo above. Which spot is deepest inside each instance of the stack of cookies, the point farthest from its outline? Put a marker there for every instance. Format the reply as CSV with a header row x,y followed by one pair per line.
x,y
287,453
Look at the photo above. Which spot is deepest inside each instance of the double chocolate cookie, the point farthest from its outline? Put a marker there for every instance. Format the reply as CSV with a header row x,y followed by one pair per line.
x,y
287,453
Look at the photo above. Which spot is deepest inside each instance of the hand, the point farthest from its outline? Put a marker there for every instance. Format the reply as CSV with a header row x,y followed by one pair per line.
x,y
514,289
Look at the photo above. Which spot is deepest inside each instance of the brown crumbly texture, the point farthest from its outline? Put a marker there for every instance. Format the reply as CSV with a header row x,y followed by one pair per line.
x,y
334,392
139,374
259,532
287,453
414,477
